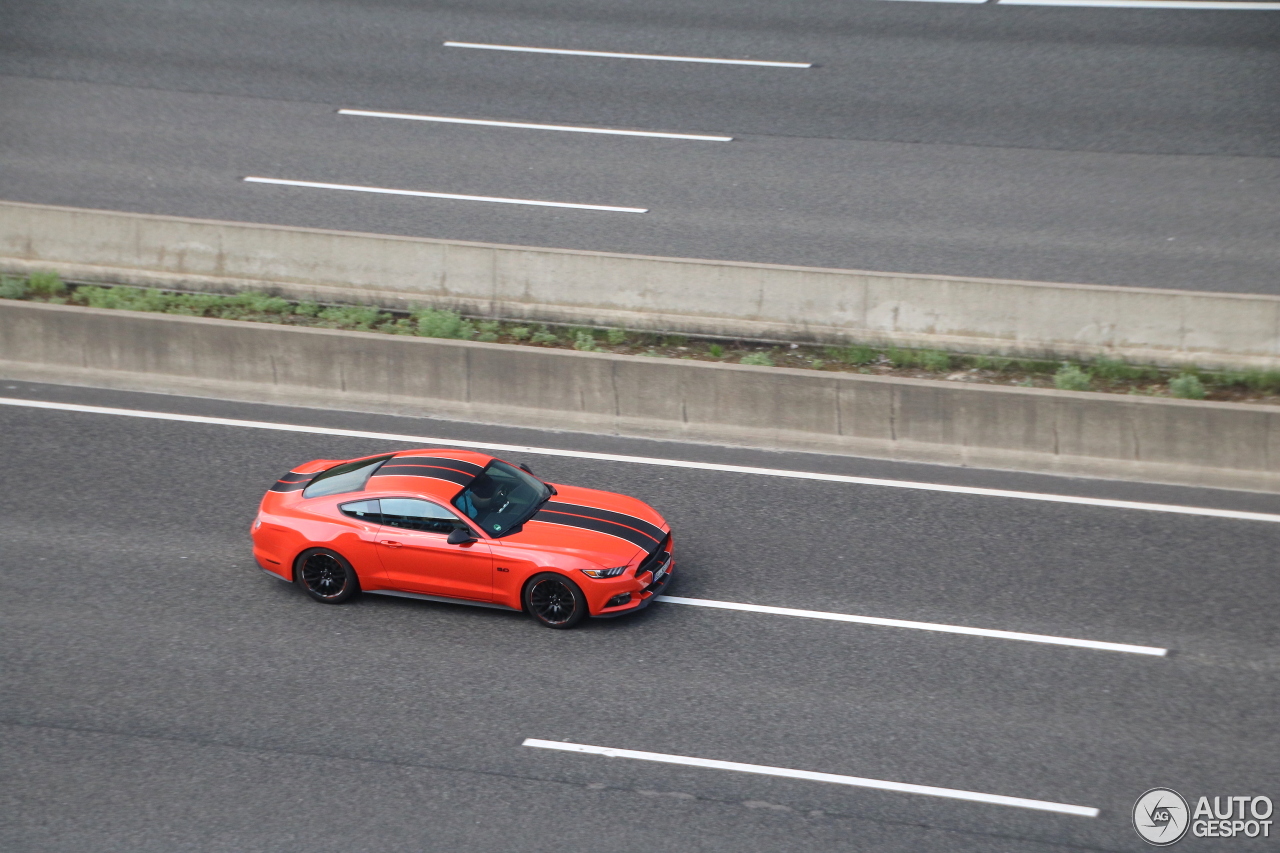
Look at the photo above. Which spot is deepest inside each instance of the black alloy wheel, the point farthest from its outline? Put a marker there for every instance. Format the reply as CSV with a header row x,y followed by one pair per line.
x,y
555,601
326,576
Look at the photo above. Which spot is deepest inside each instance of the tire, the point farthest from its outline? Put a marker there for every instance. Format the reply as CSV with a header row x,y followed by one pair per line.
x,y
325,576
554,601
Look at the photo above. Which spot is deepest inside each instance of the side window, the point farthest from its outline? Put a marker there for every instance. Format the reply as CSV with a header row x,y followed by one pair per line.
x,y
411,514
364,511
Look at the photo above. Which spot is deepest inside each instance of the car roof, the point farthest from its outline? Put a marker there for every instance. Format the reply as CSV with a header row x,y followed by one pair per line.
x,y
430,472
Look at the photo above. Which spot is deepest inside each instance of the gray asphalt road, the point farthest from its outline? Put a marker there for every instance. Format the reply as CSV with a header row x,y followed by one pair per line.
x,y
158,692
1131,147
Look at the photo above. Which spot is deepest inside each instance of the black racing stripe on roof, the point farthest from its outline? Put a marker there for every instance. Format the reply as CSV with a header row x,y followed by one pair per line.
x,y
441,461
291,482
635,537
433,472
652,530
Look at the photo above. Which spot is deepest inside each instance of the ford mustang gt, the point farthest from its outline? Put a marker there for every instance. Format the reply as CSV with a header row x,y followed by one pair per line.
x,y
459,526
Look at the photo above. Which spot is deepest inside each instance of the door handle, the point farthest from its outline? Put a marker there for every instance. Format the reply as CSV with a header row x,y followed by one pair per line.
x,y
391,543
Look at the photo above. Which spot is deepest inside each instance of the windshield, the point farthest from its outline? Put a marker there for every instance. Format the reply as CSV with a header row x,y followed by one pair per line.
x,y
501,498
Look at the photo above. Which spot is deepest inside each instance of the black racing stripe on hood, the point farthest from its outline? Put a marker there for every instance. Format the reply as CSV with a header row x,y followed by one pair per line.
x,y
651,530
621,531
435,472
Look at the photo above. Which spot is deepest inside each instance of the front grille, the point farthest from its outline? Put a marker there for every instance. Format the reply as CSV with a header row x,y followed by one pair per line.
x,y
657,557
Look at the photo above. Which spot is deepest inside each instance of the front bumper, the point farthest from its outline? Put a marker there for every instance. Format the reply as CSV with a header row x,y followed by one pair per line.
x,y
645,596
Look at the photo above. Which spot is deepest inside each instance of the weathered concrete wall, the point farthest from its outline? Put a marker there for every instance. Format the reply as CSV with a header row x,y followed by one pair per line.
x,y
690,296
1100,435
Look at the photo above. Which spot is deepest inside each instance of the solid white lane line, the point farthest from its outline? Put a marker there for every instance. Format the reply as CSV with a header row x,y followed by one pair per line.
x,y
950,1
658,57
920,626
528,126
811,776
1226,5
384,191
429,441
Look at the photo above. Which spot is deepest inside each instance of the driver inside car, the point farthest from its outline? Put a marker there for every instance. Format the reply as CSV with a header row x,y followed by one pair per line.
x,y
479,497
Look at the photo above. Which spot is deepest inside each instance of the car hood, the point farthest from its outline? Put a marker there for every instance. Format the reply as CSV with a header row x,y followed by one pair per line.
x,y
604,527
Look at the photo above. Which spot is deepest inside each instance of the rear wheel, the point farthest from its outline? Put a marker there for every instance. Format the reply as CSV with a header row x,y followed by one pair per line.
x,y
555,601
327,577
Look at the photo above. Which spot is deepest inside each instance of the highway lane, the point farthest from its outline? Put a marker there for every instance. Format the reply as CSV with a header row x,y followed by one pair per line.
x,y
158,689
1109,146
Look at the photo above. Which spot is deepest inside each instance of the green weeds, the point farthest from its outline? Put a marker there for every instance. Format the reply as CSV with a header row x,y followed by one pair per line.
x,y
1187,386
1102,374
545,336
46,284
584,341
854,355
935,360
12,288
761,359
1071,378
437,323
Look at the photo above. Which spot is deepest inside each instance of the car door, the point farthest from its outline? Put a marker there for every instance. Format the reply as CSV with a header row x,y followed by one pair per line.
x,y
417,557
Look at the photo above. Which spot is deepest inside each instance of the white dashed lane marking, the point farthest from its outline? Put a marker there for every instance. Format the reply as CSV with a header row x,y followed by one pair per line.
x,y
530,126
919,626
811,776
608,55
454,196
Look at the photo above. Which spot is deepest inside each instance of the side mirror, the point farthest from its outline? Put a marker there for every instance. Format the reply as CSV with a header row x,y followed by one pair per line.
x,y
460,536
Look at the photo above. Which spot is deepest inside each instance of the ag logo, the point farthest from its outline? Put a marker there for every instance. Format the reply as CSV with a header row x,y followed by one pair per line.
x,y
1160,816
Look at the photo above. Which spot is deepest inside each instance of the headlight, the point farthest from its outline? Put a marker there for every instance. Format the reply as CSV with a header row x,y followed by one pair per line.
x,y
604,573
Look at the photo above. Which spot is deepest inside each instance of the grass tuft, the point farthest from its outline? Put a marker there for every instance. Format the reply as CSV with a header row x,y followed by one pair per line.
x,y
45,283
584,341
1071,378
357,317
935,360
435,323
12,288
761,359
1187,386
545,336
854,355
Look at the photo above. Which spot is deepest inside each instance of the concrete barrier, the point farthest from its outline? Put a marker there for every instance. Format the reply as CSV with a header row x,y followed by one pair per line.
x,y
1097,435
715,298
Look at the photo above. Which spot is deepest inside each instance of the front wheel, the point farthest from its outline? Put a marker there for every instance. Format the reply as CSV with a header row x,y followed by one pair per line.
x,y
555,601
325,576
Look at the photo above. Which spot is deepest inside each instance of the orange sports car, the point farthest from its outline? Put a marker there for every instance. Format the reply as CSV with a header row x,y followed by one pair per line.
x,y
459,526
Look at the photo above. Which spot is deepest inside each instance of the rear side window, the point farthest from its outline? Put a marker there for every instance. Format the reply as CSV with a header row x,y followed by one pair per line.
x,y
363,511
347,477
411,514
